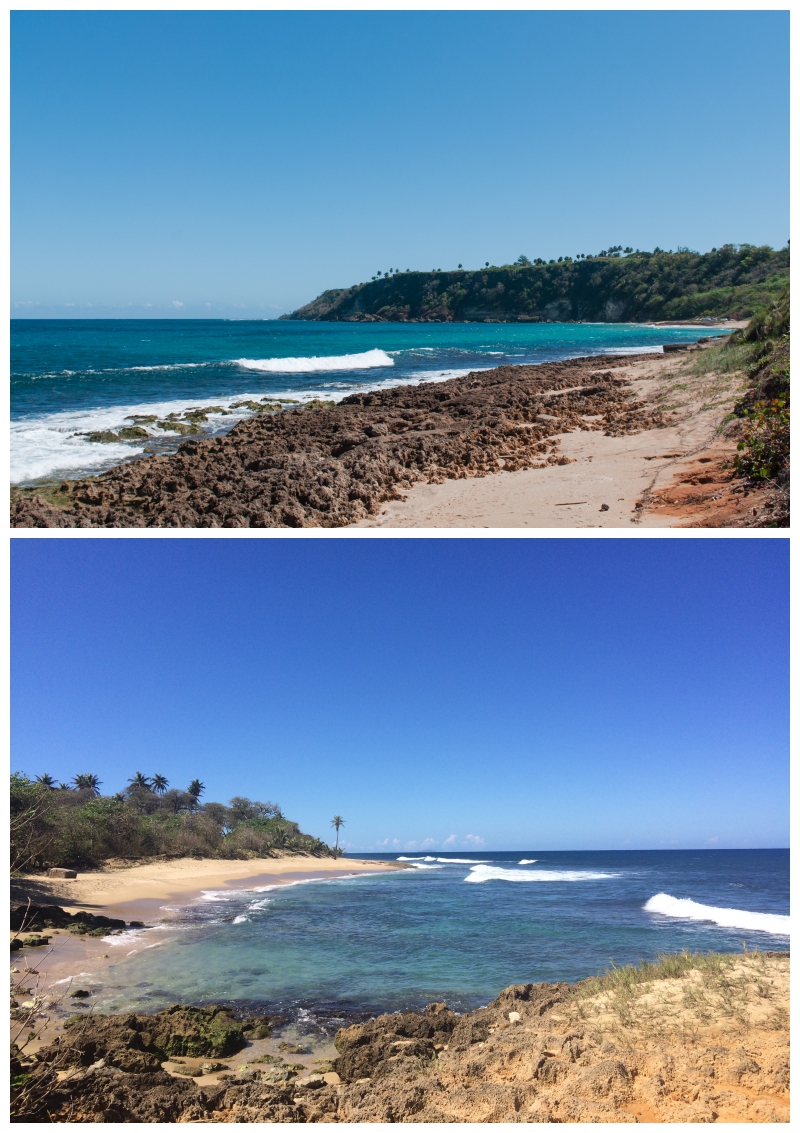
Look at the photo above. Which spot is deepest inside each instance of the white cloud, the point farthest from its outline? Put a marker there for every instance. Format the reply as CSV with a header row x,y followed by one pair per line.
x,y
450,841
714,839
474,840
428,843
177,303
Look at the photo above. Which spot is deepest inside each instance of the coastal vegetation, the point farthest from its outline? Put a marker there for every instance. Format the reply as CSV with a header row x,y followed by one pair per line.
x,y
618,285
74,825
761,353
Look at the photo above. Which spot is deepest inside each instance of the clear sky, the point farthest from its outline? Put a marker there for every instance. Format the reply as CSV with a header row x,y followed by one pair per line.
x,y
506,694
236,164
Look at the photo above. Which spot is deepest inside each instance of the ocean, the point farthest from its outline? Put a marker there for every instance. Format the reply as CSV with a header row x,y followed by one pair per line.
x,y
454,927
70,378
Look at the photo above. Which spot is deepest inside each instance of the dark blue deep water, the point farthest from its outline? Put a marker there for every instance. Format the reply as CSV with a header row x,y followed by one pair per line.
x,y
69,378
395,940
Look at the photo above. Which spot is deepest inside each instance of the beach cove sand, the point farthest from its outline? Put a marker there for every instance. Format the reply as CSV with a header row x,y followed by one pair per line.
x,y
140,892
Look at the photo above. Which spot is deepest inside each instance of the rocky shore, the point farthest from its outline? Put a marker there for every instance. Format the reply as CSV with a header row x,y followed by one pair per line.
x,y
692,1039
330,466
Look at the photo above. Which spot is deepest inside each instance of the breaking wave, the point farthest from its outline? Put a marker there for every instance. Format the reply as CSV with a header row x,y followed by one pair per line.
x,y
481,873
461,861
527,861
727,918
366,361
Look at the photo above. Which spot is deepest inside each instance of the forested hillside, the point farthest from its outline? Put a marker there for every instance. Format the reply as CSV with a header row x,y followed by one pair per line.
x,y
74,825
733,281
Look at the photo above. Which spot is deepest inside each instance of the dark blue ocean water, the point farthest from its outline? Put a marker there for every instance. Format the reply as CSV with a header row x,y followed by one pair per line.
x,y
396,940
69,378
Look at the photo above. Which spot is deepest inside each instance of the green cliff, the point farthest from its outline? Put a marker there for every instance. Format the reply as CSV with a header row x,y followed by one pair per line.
x,y
732,281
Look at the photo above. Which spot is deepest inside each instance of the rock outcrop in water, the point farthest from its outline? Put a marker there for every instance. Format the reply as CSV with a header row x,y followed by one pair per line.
x,y
332,466
692,1039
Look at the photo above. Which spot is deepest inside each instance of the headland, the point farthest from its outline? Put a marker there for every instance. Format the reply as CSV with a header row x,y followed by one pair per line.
x,y
618,284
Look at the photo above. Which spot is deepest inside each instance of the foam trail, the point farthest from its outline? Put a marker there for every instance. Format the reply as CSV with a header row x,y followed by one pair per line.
x,y
366,361
461,861
481,873
727,918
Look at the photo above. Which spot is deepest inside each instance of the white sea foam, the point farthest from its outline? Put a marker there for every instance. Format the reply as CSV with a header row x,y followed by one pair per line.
x,y
527,861
401,858
481,873
684,907
421,865
241,919
48,446
232,894
366,361
461,861
130,937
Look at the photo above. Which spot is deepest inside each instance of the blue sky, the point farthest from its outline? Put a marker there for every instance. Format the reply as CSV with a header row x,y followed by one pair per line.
x,y
235,164
506,694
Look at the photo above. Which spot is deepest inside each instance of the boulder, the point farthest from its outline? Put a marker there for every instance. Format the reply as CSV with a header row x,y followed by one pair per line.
x,y
57,871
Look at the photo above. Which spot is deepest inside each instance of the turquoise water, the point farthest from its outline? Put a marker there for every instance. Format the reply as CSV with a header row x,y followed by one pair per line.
x,y
69,378
457,928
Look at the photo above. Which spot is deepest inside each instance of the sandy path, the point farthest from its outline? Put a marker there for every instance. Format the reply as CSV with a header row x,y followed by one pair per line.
x,y
616,471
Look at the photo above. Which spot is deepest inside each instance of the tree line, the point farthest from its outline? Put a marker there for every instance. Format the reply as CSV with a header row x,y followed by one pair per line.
x,y
74,825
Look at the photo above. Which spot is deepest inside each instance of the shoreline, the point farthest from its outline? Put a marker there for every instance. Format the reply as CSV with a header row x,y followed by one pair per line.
x,y
338,466
139,893
690,1038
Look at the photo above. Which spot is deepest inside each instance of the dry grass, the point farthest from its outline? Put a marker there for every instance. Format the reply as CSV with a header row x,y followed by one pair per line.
x,y
684,996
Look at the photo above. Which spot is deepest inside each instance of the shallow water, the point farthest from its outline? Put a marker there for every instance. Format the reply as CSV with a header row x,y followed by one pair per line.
x,y
447,929
69,378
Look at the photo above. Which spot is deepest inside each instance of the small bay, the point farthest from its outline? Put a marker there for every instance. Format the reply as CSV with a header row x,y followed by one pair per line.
x,y
457,928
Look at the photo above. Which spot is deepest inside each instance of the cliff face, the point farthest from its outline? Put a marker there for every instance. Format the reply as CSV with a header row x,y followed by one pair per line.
x,y
730,281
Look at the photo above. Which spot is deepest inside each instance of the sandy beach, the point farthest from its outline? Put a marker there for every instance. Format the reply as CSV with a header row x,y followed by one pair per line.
x,y
671,475
115,890
140,893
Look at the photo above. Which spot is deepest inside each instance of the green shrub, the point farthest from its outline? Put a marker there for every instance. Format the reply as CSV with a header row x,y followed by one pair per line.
x,y
764,450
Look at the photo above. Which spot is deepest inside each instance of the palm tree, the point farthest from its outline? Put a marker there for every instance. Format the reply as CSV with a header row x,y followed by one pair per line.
x,y
47,781
336,822
87,783
140,782
160,784
194,791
